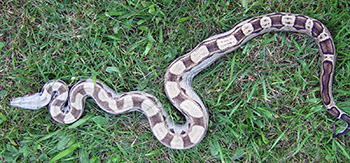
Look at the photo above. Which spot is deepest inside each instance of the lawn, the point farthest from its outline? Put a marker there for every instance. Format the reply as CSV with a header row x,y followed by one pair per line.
x,y
263,99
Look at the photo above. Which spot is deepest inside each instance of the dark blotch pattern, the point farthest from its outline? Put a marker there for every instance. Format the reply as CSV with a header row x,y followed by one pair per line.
x,y
170,77
120,103
300,22
334,111
62,89
212,46
187,141
199,121
103,104
137,101
167,139
155,119
316,29
50,91
179,98
59,117
327,46
345,117
239,35
57,102
187,62
276,21
75,112
256,25
79,89
325,81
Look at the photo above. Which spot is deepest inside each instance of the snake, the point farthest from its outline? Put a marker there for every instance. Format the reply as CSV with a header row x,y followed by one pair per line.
x,y
67,105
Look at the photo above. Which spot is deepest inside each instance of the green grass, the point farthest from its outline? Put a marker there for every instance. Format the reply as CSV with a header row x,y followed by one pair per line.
x,y
263,99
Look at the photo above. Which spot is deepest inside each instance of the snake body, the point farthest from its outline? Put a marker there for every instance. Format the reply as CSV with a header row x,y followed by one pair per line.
x,y
178,79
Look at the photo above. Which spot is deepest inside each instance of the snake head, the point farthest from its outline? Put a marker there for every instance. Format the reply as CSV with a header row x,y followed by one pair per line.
x,y
32,102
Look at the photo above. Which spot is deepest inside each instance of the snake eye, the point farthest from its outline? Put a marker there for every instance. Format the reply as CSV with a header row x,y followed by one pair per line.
x,y
183,133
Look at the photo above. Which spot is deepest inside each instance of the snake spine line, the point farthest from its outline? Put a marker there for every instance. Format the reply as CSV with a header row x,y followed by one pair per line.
x,y
66,106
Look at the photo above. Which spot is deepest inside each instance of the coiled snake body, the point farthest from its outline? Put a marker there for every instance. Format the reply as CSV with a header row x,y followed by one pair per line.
x,y
177,83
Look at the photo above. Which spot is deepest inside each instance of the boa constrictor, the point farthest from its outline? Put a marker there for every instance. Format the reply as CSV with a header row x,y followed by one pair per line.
x,y
177,83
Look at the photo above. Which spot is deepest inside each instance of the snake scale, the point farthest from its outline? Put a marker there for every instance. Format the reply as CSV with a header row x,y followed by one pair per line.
x,y
178,79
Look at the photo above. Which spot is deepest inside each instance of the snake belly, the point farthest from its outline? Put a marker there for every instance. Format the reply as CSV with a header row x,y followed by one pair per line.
x,y
66,106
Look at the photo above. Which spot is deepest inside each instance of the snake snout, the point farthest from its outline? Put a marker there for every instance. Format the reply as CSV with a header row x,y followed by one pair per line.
x,y
32,102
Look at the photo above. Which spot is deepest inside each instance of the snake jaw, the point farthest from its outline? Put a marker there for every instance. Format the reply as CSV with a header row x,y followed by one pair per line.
x,y
32,102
